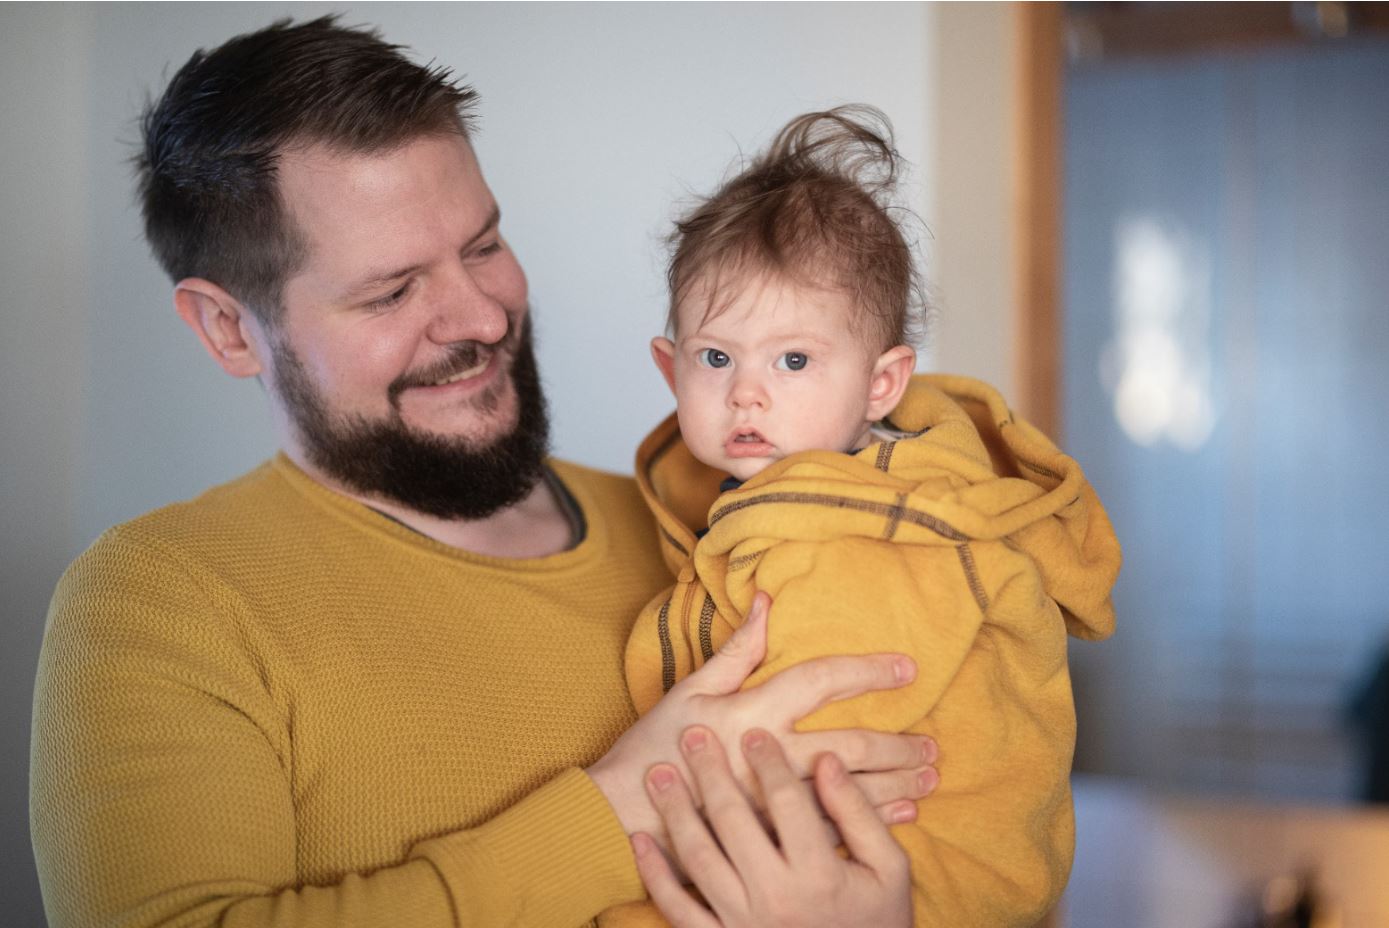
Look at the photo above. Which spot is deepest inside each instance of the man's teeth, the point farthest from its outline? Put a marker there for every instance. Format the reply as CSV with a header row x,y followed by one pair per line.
x,y
463,375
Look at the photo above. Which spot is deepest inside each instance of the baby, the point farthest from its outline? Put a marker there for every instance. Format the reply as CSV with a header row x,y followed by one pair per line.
x,y
882,511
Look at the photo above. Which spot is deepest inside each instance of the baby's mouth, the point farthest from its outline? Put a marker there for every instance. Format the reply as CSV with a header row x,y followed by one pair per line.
x,y
747,442
747,435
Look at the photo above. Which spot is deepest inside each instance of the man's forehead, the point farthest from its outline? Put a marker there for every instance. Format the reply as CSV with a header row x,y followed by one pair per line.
x,y
364,216
311,169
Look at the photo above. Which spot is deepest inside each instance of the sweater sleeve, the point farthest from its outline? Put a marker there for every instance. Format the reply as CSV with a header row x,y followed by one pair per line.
x,y
162,784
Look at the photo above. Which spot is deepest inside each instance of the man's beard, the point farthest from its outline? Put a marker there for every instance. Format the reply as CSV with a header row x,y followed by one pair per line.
x,y
445,477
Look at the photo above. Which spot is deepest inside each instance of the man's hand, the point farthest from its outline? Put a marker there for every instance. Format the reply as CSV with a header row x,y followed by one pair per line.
x,y
891,770
793,877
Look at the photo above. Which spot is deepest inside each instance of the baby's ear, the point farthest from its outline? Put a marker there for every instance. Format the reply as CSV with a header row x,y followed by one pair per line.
x,y
663,353
891,373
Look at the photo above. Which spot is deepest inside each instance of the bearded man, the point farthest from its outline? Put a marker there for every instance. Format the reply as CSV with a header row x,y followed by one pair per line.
x,y
378,680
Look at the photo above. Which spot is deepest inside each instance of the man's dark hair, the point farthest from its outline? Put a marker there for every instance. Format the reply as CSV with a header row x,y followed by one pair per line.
x,y
211,143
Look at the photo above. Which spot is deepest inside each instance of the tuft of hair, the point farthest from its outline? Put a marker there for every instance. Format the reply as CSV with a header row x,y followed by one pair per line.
x,y
211,143
816,209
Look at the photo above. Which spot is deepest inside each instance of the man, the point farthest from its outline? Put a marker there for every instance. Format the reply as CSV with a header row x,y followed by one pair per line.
x,y
378,679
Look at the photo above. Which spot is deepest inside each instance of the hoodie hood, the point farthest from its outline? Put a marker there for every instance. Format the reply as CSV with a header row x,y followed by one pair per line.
x,y
964,469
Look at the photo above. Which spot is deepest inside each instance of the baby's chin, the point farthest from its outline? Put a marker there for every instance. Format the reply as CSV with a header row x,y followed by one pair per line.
x,y
744,469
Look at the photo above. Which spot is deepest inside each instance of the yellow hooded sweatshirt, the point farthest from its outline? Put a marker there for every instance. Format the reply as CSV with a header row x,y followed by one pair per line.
x,y
973,545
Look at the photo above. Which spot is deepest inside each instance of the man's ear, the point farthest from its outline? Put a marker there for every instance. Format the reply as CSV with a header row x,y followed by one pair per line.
x,y
891,374
663,353
224,326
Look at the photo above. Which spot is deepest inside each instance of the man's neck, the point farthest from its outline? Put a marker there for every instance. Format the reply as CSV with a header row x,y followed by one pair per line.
x,y
537,526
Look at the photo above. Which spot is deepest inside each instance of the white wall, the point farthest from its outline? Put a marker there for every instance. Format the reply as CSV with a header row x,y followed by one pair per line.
x,y
43,307
596,119
974,138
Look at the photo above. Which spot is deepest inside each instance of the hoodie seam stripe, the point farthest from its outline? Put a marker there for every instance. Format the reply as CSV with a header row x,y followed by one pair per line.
x,y
706,627
1039,469
675,542
667,649
743,560
976,586
884,455
914,516
894,517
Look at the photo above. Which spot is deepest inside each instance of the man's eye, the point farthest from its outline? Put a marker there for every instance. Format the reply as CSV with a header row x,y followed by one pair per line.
x,y
792,361
713,357
390,299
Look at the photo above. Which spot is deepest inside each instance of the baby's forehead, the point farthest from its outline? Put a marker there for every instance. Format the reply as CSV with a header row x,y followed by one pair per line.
x,y
769,303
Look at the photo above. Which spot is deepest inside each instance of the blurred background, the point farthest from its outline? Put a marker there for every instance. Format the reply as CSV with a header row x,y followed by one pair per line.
x,y
1159,227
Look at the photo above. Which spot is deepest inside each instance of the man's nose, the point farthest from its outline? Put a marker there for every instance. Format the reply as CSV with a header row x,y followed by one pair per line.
x,y
466,311
748,392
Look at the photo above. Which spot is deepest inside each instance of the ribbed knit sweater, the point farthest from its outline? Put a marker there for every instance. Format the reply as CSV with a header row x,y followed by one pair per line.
x,y
274,706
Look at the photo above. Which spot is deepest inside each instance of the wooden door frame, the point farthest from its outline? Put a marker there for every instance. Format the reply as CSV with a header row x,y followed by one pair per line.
x,y
1037,231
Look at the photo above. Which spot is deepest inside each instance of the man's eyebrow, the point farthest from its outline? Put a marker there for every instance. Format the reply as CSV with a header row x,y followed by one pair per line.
x,y
494,219
367,284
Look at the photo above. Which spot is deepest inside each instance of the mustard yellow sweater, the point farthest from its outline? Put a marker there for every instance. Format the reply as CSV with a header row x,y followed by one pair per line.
x,y
973,546
274,706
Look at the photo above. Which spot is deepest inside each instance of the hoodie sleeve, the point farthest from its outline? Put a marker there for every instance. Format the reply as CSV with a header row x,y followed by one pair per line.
x,y
993,845
859,596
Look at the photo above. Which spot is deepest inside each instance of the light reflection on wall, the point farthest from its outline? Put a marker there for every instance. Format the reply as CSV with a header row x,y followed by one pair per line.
x,y
1157,368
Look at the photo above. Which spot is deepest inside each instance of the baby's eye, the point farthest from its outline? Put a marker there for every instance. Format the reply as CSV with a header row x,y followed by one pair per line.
x,y
713,357
792,361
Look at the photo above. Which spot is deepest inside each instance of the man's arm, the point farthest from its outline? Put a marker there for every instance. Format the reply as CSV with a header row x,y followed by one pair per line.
x,y
162,782
711,697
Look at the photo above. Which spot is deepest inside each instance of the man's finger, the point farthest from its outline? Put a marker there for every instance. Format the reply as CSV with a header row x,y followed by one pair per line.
x,y
679,908
726,807
791,805
691,843
864,835
739,656
861,750
885,789
802,689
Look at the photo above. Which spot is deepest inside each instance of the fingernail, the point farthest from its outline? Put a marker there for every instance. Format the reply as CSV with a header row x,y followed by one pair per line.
x,y
904,668
903,813
754,740
833,766
927,782
661,778
642,844
694,741
929,750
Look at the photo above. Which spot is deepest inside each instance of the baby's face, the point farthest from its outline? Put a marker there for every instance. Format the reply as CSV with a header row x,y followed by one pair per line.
x,y
778,371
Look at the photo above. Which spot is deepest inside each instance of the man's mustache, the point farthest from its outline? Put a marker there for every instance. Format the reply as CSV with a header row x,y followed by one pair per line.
x,y
460,357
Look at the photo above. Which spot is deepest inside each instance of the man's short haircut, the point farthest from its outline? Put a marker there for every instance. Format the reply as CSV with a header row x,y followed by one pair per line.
x,y
815,209
212,143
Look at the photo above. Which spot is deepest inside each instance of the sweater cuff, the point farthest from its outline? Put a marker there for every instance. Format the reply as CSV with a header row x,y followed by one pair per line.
x,y
558,857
